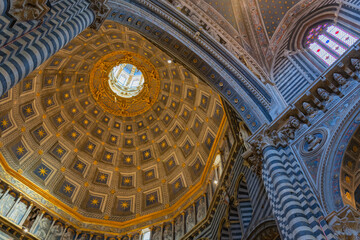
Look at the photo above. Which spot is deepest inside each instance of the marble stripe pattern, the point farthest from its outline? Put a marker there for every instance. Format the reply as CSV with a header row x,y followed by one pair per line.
x,y
294,205
30,48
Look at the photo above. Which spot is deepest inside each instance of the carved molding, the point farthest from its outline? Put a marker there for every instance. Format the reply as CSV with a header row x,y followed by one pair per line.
x,y
101,10
305,109
28,10
209,21
345,223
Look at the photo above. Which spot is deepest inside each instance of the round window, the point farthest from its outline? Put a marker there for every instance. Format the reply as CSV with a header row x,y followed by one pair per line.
x,y
126,80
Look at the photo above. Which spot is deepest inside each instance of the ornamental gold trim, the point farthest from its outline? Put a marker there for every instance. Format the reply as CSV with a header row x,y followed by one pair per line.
x,y
176,209
109,100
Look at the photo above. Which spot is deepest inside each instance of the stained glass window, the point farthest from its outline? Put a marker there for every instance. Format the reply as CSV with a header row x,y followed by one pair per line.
x,y
342,35
328,42
322,53
331,44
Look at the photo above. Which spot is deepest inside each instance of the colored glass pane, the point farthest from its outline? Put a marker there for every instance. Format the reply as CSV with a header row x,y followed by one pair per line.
x,y
326,42
342,35
314,33
322,53
332,45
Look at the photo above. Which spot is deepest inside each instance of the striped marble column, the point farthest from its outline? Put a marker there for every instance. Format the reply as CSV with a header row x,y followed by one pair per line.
x,y
35,44
296,209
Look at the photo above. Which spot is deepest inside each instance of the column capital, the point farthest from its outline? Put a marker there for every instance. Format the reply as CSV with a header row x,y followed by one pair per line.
x,y
278,135
101,10
22,11
342,222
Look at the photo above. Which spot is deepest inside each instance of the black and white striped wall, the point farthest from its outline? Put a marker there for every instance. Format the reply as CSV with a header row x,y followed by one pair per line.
x,y
24,46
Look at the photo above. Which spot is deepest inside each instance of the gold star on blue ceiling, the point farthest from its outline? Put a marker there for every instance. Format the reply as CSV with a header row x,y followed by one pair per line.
x,y
126,181
39,133
67,189
42,171
28,110
58,120
5,123
19,150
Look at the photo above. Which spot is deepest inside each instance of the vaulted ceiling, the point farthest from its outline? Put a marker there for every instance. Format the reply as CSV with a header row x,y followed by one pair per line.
x,y
271,12
104,164
225,8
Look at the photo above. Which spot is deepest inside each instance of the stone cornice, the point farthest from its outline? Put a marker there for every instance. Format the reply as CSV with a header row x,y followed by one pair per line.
x,y
22,11
345,222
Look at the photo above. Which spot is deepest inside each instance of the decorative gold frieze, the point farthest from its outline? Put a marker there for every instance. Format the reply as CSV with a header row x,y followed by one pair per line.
x,y
109,100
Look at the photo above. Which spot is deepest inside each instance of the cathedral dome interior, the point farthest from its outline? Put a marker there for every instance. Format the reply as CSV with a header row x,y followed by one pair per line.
x,y
179,119
138,163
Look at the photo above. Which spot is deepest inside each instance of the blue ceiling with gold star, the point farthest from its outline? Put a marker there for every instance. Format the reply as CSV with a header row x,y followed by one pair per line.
x,y
273,11
225,8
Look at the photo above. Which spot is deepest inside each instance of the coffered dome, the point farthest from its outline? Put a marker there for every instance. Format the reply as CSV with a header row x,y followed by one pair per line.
x,y
111,131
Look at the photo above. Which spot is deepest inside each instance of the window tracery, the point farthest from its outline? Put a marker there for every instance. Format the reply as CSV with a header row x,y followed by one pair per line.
x,y
328,42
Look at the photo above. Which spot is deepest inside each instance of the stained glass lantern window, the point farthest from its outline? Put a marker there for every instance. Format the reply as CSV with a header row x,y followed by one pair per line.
x,y
328,42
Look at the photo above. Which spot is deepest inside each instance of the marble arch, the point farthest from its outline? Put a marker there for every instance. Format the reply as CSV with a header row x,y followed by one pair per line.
x,y
334,158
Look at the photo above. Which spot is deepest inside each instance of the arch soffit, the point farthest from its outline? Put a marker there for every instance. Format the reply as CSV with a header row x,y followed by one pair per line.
x,y
240,178
243,92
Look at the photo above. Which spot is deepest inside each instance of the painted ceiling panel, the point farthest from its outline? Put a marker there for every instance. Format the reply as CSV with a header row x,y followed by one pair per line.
x,y
224,7
273,12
